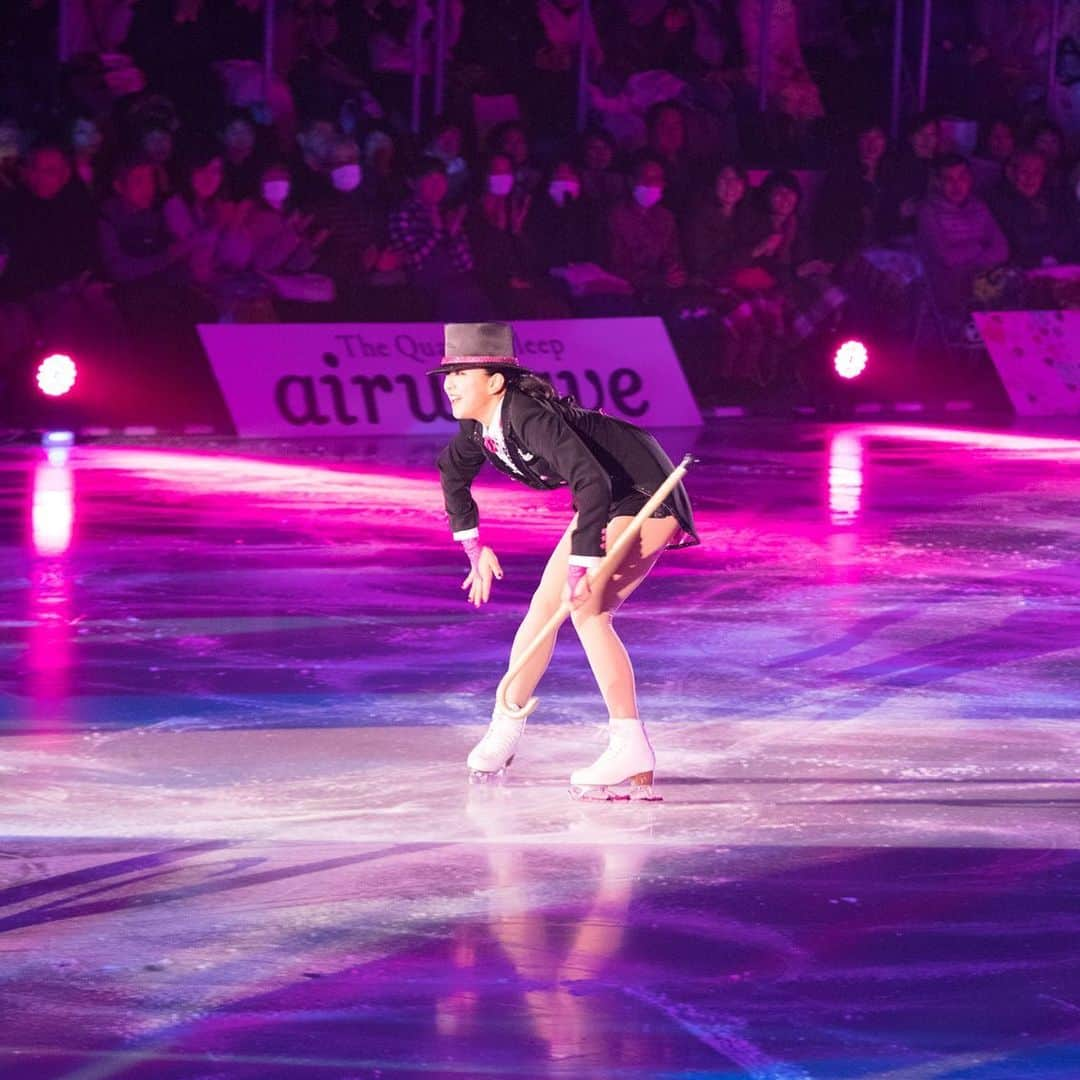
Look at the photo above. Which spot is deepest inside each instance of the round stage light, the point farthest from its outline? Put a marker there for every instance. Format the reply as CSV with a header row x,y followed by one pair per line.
x,y
850,359
56,375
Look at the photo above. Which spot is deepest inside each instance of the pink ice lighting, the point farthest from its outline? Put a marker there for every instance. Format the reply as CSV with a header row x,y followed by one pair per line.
x,y
1057,449
56,375
846,457
53,509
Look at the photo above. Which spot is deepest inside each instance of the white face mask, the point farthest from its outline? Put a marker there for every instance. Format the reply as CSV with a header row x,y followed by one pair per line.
x,y
645,195
501,184
561,190
346,177
275,192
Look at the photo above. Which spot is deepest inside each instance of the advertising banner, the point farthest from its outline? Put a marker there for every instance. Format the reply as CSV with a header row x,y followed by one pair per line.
x,y
1037,355
370,378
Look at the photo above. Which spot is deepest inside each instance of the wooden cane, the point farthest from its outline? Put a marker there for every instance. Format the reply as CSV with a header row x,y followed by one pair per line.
x,y
597,577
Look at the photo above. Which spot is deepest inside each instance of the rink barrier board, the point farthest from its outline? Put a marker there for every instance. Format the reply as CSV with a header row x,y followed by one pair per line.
x,y
350,378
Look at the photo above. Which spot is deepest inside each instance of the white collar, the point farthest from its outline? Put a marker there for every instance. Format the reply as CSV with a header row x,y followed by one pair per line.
x,y
495,435
495,430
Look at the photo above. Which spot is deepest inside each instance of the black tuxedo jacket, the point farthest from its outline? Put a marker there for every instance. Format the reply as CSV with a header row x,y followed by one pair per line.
x,y
601,459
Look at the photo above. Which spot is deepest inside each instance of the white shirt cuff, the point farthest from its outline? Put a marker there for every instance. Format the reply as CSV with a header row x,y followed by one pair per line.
x,y
586,560
466,534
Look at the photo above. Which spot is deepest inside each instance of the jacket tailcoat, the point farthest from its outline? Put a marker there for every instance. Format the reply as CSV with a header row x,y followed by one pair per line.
x,y
603,460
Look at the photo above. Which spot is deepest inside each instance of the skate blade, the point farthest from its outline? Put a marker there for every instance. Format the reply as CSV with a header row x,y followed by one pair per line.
x,y
640,790
597,794
477,776
636,793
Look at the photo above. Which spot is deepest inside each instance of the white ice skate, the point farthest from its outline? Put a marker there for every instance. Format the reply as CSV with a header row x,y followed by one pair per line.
x,y
629,758
491,756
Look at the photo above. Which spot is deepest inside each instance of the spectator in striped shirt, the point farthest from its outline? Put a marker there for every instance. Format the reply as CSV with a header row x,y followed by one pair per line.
x,y
435,248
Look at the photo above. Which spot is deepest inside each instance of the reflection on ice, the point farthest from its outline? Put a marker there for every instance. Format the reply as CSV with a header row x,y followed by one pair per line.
x,y
237,694
52,513
845,477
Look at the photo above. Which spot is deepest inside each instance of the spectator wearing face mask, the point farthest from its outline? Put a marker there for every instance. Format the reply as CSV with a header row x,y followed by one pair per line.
x,y
562,226
643,239
565,229
357,252
505,262
284,240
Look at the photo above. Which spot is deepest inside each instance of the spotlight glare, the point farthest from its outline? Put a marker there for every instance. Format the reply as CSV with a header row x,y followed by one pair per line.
x,y
850,359
56,375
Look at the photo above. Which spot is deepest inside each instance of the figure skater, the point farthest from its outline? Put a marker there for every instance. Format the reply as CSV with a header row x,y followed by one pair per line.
x,y
515,420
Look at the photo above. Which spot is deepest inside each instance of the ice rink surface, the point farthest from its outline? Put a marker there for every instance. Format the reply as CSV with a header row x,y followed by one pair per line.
x,y
238,682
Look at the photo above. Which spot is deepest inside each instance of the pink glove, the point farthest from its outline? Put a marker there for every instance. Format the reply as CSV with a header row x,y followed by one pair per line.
x,y
573,575
473,547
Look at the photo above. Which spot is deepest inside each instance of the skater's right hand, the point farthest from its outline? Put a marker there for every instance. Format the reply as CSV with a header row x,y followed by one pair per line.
x,y
480,577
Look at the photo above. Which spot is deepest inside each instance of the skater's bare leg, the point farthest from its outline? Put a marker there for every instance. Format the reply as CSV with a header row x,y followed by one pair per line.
x,y
495,751
629,755
545,602
605,651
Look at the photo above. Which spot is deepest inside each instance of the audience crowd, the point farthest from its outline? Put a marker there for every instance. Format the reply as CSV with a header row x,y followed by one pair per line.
x,y
153,181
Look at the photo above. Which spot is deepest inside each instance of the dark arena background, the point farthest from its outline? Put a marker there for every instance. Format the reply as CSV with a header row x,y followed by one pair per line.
x,y
828,249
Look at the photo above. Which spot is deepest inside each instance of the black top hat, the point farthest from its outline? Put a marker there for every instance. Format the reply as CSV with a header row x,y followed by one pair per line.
x,y
477,345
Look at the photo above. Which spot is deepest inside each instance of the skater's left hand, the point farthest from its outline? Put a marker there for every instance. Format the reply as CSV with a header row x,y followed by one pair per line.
x,y
478,582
